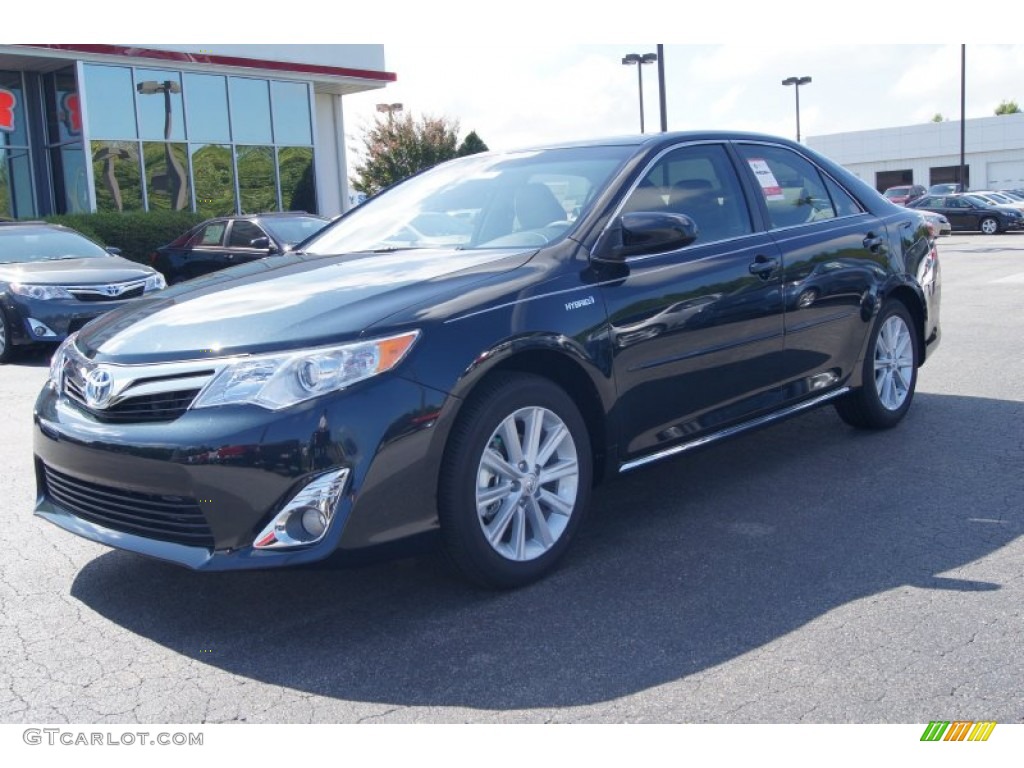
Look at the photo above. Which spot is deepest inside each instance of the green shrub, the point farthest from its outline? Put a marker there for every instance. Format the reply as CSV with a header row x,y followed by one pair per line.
x,y
137,234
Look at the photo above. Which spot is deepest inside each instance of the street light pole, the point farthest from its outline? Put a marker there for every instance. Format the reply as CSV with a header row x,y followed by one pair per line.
x,y
390,109
797,81
640,59
177,178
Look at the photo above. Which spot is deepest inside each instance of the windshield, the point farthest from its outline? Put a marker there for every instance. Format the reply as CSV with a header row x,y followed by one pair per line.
x,y
520,199
26,244
293,229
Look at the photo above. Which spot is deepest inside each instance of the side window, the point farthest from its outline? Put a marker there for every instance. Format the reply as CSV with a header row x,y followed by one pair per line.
x,y
211,234
794,191
698,181
842,202
243,233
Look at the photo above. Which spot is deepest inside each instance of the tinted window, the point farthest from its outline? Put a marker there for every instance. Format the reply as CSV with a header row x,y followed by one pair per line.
x,y
243,233
843,203
250,111
700,182
291,113
158,94
112,88
206,97
794,191
211,234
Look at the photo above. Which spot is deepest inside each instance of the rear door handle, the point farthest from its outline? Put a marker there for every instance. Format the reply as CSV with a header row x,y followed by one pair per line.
x,y
763,266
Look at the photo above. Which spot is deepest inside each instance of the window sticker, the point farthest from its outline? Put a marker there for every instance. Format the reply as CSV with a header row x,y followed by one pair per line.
x,y
769,185
7,104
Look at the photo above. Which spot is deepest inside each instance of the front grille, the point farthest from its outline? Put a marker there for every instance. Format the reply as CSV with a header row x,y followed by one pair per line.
x,y
134,293
175,519
148,398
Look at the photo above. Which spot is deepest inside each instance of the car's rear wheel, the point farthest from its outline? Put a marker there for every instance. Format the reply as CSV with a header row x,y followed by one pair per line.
x,y
989,226
516,479
890,372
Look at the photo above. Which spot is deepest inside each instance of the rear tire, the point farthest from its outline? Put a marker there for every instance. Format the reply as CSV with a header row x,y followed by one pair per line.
x,y
515,481
890,372
989,226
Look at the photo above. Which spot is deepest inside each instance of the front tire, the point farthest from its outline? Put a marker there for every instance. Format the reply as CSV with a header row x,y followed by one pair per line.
x,y
515,482
890,372
989,226
6,340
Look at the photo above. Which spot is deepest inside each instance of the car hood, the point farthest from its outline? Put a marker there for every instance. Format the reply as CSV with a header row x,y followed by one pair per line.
x,y
285,302
99,270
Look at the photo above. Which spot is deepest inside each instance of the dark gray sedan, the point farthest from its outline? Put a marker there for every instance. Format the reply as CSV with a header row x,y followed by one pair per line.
x,y
972,213
53,280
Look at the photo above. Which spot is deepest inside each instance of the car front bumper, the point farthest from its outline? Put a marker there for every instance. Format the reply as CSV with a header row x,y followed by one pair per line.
x,y
198,490
34,320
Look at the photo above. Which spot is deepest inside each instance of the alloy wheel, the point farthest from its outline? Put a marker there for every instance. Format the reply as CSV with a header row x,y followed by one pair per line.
x,y
894,362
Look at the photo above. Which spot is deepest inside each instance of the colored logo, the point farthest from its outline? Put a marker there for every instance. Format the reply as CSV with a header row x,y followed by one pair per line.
x,y
7,104
99,385
72,113
958,730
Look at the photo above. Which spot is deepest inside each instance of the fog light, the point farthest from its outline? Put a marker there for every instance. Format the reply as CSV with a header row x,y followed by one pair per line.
x,y
305,519
40,329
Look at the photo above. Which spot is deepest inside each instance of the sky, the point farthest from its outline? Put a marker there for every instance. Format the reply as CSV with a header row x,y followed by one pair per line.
x,y
521,95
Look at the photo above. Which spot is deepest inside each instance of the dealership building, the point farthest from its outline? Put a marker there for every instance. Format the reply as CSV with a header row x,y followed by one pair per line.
x,y
215,129
930,153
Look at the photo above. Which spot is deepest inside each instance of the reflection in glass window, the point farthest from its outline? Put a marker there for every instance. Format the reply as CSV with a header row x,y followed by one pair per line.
x,y
63,107
257,179
298,190
206,98
160,104
112,91
166,176
16,199
13,127
243,233
250,111
71,186
291,113
115,169
214,177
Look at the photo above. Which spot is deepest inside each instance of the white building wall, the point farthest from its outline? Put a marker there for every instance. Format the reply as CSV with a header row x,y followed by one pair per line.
x,y
994,150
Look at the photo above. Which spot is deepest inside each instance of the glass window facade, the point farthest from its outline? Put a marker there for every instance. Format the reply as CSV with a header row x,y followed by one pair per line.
x,y
16,197
115,137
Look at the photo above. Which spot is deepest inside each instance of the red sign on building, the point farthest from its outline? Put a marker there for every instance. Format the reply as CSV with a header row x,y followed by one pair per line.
x,y
7,104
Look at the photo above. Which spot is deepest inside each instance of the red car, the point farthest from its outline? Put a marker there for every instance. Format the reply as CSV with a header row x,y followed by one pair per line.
x,y
904,194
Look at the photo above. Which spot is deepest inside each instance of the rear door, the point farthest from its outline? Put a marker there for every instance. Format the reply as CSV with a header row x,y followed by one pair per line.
x,y
834,260
697,333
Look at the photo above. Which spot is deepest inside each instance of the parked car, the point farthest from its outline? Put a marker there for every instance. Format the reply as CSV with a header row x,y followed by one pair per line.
x,y
473,395
970,212
999,198
904,194
229,240
53,280
946,189
938,223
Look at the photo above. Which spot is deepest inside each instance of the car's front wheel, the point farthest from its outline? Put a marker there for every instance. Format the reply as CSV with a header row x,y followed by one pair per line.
x,y
516,480
6,345
890,372
989,226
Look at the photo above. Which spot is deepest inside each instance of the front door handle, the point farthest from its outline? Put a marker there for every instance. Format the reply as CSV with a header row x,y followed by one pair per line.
x,y
763,266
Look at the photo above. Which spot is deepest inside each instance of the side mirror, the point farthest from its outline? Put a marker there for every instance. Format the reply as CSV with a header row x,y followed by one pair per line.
x,y
644,232
112,250
262,243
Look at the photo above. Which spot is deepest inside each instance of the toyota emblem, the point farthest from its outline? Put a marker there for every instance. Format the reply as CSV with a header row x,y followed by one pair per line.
x,y
99,386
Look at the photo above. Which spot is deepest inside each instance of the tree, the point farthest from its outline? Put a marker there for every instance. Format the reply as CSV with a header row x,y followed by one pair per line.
x,y
1007,108
395,148
471,145
937,117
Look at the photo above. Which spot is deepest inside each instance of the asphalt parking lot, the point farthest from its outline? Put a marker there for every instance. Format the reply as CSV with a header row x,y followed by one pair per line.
x,y
805,573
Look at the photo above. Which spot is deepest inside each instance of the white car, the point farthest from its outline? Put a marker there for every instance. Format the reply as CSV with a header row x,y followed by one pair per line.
x,y
938,223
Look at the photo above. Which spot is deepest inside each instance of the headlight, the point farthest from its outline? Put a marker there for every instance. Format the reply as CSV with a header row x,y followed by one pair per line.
x,y
42,292
154,283
279,381
57,361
